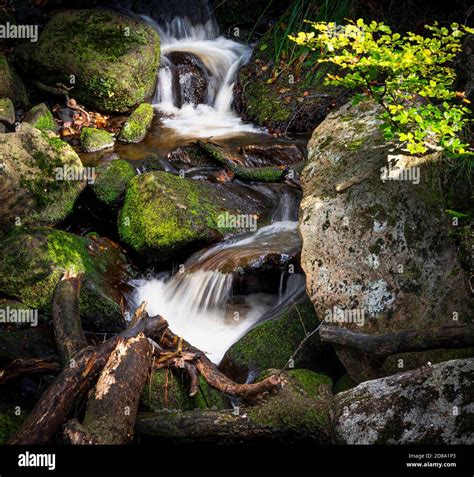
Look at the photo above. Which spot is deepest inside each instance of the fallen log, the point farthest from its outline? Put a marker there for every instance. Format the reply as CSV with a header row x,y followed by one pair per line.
x,y
51,411
67,326
24,367
112,406
451,337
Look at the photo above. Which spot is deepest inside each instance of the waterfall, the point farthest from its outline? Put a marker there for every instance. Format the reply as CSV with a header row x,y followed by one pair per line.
x,y
198,300
195,56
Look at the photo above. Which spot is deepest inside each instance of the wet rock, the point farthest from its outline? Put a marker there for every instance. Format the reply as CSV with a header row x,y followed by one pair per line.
x,y
137,124
111,181
192,85
32,261
94,140
29,163
272,343
257,155
429,405
378,247
164,214
11,85
113,72
41,118
186,157
7,111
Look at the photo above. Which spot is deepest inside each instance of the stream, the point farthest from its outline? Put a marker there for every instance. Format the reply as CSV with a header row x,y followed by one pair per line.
x,y
218,293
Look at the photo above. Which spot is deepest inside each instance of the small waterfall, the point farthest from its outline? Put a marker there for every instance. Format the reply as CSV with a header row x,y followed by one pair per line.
x,y
194,55
199,303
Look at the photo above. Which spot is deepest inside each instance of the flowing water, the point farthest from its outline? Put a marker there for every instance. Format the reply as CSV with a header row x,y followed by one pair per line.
x,y
203,300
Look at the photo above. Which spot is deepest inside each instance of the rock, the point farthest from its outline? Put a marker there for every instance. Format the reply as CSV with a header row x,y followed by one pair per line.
x,y
170,391
164,214
7,111
2,128
32,261
33,342
30,162
257,155
114,71
111,181
94,140
41,118
373,246
11,85
272,343
430,405
186,157
137,125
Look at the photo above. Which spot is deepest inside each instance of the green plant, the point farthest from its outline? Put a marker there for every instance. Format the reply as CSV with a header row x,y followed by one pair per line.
x,y
412,77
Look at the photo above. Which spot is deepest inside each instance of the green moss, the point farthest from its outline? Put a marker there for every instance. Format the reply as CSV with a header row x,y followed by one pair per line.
x,y
32,262
166,213
41,118
309,380
208,397
113,57
272,343
137,125
9,424
93,140
112,180
7,110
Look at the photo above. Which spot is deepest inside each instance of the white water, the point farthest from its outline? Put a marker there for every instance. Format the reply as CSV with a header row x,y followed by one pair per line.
x,y
222,58
198,303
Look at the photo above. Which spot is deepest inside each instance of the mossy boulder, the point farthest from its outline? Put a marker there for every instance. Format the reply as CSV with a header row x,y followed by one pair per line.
x,y
137,125
11,85
166,390
111,181
30,161
41,118
272,343
112,57
163,214
32,261
376,244
94,140
7,111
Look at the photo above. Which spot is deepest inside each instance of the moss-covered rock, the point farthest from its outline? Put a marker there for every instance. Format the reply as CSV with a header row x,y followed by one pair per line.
x,y
41,118
11,85
137,125
31,162
7,111
272,343
112,57
94,140
164,213
32,262
111,181
166,390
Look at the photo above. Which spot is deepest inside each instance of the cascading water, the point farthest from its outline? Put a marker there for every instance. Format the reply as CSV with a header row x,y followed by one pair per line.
x,y
199,303
210,59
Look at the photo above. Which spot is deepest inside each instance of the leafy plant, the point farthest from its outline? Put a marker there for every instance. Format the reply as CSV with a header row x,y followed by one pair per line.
x,y
412,77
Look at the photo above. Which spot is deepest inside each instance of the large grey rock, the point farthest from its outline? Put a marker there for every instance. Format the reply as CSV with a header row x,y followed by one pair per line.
x,y
381,247
430,405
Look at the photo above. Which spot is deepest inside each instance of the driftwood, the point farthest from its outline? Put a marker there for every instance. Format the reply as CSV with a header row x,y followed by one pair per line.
x,y
23,367
380,346
70,338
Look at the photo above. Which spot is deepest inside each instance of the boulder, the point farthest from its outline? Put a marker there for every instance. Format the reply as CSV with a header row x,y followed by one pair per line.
x,y
32,261
137,125
30,161
257,155
7,111
112,57
111,181
41,118
94,140
376,240
11,85
429,405
164,214
272,343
